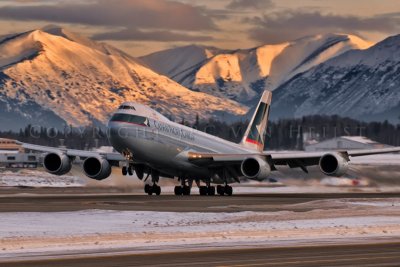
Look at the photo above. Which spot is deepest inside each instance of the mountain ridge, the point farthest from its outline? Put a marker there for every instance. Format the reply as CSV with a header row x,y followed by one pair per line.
x,y
242,74
84,83
359,83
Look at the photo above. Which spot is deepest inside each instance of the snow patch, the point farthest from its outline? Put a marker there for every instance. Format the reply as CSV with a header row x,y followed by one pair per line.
x,y
31,178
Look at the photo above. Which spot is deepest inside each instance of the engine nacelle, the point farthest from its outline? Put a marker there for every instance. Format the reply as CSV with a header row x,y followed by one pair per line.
x,y
58,164
333,164
255,168
96,168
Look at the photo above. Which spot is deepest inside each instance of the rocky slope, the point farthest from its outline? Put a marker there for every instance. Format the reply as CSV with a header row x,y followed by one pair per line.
x,y
363,84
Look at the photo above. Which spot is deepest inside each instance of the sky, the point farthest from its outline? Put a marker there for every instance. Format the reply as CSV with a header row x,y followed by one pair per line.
x,y
140,27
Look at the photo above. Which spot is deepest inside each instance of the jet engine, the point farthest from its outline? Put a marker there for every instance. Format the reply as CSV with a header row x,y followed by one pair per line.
x,y
255,168
97,168
333,164
58,164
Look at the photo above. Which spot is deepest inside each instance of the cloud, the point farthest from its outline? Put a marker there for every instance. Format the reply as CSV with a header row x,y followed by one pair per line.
x,y
158,36
289,25
156,14
250,4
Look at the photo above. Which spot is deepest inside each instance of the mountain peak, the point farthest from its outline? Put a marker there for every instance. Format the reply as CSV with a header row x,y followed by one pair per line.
x,y
52,29
65,33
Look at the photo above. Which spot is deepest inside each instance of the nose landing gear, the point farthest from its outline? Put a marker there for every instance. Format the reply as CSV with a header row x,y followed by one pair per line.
x,y
127,170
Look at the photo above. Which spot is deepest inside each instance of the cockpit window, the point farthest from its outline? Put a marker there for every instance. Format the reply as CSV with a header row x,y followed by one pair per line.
x,y
139,120
127,107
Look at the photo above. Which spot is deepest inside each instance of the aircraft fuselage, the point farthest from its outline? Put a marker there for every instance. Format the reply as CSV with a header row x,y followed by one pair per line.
x,y
163,145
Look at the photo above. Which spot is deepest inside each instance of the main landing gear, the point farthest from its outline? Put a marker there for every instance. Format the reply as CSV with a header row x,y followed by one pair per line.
x,y
224,190
207,190
153,189
183,189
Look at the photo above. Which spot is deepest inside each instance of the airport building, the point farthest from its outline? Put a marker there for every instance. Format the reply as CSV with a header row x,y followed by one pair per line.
x,y
344,142
12,155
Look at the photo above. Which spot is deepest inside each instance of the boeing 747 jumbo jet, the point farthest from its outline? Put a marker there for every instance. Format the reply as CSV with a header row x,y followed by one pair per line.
x,y
148,143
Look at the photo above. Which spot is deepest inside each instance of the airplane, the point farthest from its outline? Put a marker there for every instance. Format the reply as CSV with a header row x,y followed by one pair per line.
x,y
149,143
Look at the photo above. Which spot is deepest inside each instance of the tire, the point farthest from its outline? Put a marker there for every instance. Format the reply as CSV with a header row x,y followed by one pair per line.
x,y
203,190
157,190
228,190
211,190
178,190
130,171
124,171
147,188
186,190
220,190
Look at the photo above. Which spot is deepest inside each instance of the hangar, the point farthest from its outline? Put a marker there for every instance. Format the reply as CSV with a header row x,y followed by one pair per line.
x,y
344,142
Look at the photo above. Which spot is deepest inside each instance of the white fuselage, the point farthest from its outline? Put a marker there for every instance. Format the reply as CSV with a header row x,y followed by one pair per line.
x,y
162,144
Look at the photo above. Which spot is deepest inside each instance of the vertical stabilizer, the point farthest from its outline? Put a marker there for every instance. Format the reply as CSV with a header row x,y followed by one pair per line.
x,y
256,131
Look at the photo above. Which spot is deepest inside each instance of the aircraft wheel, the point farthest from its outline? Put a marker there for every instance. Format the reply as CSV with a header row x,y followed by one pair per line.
x,y
156,189
220,190
178,190
124,171
203,190
228,190
147,189
130,171
211,190
186,190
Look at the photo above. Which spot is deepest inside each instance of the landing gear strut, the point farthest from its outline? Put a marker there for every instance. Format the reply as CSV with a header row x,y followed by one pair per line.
x,y
128,168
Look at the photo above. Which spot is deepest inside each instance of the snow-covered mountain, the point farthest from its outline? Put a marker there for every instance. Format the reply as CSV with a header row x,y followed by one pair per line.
x,y
51,77
362,84
241,74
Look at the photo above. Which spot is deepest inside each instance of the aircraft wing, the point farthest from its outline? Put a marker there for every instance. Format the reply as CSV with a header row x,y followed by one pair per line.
x,y
292,159
74,152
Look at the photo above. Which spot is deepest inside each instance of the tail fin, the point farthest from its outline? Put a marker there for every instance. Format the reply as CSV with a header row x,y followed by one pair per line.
x,y
255,133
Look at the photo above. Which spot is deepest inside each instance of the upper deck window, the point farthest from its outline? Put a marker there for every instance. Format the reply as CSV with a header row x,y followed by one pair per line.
x,y
139,120
127,107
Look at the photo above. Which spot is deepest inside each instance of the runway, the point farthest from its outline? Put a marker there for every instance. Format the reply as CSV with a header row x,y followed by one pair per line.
x,y
81,199
91,227
382,254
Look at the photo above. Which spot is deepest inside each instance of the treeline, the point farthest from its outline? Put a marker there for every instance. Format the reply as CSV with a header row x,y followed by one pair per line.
x,y
295,133
281,134
72,137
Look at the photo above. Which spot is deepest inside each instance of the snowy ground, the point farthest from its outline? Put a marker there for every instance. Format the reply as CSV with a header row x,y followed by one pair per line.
x,y
36,178
381,159
335,221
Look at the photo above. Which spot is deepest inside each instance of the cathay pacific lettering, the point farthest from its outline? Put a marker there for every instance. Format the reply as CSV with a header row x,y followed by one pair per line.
x,y
162,127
